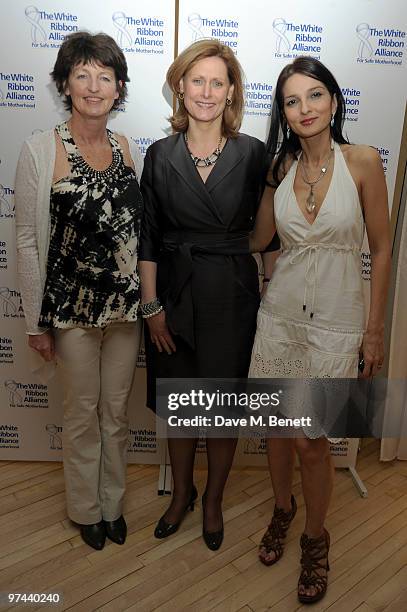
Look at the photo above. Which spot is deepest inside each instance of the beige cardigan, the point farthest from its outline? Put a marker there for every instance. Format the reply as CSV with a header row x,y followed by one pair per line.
x,y
32,190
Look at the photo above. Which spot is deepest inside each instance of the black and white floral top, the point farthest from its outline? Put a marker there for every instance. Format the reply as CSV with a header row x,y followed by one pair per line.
x,y
95,224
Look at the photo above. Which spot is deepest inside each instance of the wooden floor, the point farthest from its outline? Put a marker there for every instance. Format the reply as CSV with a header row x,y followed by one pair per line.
x,y
40,550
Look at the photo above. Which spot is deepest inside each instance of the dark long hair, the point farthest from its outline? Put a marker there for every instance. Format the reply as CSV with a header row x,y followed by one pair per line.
x,y
280,150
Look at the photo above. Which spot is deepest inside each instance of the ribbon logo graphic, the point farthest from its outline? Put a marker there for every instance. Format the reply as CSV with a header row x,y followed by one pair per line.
x,y
5,208
120,23
37,31
195,23
14,396
251,446
280,28
365,48
9,306
55,441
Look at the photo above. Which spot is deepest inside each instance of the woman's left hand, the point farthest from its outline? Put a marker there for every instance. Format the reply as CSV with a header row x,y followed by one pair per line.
x,y
43,344
372,350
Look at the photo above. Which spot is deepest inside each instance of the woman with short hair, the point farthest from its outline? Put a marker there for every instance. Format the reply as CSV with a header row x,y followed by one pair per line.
x,y
78,213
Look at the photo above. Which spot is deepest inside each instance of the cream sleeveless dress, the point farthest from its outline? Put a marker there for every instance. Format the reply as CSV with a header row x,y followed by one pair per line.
x,y
311,320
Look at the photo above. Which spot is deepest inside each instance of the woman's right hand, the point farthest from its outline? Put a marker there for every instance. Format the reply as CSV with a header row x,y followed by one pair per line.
x,y
43,344
160,334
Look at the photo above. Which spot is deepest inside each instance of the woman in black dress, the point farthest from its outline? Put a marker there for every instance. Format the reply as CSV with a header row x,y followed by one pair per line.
x,y
200,291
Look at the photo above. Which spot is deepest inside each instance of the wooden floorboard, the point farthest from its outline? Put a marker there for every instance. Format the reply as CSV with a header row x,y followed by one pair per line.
x,y
41,550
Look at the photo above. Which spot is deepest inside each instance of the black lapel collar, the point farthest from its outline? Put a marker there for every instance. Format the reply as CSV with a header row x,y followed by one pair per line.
x,y
232,154
181,161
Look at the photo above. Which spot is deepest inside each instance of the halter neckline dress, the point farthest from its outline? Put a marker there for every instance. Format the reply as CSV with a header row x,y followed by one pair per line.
x,y
311,320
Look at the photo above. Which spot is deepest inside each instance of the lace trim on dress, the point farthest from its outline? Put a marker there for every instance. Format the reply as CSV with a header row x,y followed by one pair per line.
x,y
278,368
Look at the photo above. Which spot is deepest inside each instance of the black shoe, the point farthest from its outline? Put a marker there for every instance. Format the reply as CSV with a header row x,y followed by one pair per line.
x,y
164,529
116,530
94,535
213,539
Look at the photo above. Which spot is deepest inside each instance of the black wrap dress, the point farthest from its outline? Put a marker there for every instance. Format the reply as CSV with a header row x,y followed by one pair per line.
x,y
198,234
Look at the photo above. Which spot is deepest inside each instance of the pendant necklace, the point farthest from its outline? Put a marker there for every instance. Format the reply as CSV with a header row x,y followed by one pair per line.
x,y
203,162
310,203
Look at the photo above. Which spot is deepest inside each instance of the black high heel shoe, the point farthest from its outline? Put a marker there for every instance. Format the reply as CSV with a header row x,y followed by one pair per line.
x,y
213,539
164,529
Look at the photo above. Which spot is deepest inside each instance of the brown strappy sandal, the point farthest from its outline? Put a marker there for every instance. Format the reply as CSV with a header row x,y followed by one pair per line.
x,y
313,559
272,541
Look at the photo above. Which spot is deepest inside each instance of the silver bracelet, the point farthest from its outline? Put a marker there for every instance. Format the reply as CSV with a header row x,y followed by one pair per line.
x,y
153,313
150,309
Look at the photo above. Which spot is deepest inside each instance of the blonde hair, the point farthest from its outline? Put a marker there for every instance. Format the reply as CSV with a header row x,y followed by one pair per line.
x,y
233,113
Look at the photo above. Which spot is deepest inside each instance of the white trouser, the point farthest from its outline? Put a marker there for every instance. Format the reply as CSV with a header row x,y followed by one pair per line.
x,y
97,367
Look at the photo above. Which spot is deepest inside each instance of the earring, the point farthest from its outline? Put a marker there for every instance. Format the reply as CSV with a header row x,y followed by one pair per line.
x,y
228,101
332,119
288,132
180,95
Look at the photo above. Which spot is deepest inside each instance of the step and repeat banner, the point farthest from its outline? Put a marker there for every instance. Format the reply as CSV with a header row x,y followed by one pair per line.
x,y
31,412
363,42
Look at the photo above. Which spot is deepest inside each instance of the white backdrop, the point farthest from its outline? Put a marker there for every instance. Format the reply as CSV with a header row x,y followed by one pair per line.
x,y
31,415
363,42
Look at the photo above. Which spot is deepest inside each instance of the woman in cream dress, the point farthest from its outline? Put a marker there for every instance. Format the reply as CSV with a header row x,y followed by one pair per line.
x,y
321,195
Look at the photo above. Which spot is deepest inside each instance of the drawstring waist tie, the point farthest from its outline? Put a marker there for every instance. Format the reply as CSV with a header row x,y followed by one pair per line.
x,y
313,251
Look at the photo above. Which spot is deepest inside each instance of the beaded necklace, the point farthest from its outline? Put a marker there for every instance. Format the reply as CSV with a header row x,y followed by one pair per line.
x,y
203,162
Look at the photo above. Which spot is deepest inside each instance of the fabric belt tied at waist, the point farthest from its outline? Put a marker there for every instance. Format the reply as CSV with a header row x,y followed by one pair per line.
x,y
181,246
313,250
